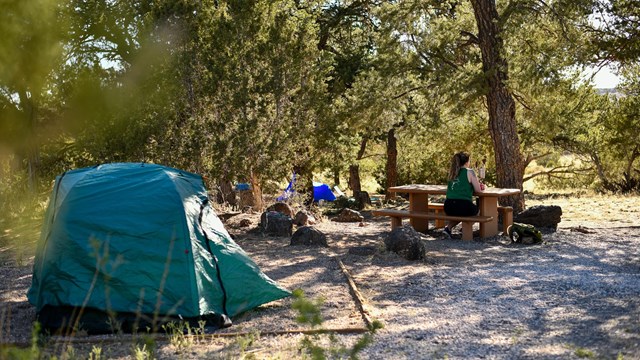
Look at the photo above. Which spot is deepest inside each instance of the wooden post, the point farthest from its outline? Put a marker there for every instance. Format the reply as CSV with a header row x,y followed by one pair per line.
x,y
419,202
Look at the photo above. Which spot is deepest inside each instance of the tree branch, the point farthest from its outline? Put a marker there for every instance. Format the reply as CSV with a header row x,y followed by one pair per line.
x,y
363,147
555,171
472,39
519,98
406,92
531,158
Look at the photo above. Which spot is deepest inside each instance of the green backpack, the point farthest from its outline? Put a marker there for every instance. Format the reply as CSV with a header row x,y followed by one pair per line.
x,y
524,234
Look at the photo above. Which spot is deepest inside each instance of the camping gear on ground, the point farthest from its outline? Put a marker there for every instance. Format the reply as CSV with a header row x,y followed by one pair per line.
x,y
338,191
524,234
129,244
243,187
320,191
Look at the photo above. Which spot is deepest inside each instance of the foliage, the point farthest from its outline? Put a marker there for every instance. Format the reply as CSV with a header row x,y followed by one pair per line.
x,y
623,139
21,213
258,120
30,52
14,352
584,353
249,90
615,30
602,137
309,313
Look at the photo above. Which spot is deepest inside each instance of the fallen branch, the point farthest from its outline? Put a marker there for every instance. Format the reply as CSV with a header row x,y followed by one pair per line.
x,y
357,296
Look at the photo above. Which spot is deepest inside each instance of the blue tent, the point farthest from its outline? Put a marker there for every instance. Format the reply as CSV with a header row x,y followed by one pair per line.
x,y
320,191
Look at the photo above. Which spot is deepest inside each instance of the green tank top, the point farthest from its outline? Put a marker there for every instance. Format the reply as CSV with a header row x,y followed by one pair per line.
x,y
460,188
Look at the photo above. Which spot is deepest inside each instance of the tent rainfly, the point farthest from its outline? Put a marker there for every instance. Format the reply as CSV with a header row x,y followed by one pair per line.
x,y
139,245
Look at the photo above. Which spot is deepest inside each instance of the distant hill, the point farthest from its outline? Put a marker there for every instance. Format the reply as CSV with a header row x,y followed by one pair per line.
x,y
610,91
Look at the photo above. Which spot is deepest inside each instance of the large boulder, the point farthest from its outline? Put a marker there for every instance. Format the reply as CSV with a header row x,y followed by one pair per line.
x,y
362,199
541,216
308,235
275,223
406,242
281,207
348,215
304,218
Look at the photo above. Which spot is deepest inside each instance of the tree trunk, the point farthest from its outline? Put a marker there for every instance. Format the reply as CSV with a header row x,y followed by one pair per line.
x,y
256,192
502,109
354,169
632,158
392,163
606,183
32,150
226,193
354,178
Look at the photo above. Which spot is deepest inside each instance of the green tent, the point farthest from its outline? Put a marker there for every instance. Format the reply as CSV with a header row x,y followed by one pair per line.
x,y
138,245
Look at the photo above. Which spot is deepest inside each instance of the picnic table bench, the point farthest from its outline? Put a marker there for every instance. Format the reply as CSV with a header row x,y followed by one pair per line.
x,y
467,221
506,213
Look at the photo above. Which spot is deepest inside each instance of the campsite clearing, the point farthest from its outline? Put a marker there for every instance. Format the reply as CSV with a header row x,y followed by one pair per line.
x,y
575,294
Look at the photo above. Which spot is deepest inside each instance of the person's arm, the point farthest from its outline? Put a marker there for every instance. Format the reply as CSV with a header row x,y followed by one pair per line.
x,y
471,176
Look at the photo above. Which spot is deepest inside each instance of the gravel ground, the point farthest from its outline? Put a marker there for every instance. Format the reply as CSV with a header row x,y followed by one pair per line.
x,y
577,295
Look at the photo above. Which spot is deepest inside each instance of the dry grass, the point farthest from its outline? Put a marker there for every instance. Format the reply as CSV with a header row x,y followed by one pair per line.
x,y
592,210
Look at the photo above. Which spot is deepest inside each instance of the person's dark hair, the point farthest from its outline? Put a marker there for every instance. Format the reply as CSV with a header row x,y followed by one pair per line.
x,y
457,161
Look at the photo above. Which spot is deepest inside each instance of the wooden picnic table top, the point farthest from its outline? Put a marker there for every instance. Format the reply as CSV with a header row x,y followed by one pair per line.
x,y
442,190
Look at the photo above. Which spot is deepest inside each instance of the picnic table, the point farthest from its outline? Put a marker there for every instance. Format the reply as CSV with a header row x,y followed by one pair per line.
x,y
420,211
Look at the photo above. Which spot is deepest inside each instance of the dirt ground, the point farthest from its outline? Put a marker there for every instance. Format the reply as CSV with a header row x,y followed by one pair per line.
x,y
575,296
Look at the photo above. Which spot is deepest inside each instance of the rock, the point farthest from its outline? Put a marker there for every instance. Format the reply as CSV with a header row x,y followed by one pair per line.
x,y
244,223
308,235
304,218
406,242
275,223
362,199
281,207
348,215
541,216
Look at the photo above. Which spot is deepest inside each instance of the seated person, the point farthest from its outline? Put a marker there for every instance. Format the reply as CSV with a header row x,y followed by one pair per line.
x,y
460,187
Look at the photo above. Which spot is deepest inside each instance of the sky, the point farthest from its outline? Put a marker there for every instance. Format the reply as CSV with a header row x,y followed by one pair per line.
x,y
606,79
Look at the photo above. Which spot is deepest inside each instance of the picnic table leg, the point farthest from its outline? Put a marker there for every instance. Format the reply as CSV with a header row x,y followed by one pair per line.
x,y
396,222
507,217
467,230
439,222
419,202
489,207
